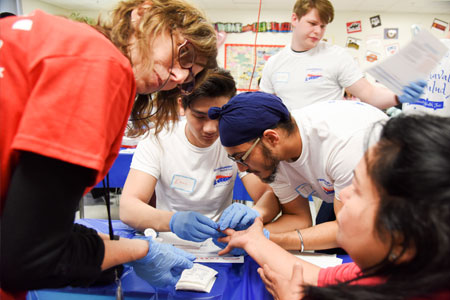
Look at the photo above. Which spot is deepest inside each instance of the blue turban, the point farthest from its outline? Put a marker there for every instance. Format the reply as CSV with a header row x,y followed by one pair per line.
x,y
247,115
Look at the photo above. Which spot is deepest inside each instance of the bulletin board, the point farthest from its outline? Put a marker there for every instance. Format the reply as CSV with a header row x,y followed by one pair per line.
x,y
239,60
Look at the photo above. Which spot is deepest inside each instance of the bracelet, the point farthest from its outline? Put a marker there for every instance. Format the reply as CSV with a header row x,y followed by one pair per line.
x,y
302,247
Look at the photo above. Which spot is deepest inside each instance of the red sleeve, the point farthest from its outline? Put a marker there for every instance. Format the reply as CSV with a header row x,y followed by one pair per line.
x,y
77,110
345,272
4,295
342,273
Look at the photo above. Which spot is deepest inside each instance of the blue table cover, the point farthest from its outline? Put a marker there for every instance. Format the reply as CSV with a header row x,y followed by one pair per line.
x,y
234,281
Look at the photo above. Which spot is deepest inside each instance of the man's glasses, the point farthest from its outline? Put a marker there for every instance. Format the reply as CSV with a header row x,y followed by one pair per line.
x,y
246,154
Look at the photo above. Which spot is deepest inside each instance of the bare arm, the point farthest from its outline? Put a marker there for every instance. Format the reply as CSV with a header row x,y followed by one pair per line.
x,y
374,94
255,187
265,252
123,251
321,236
268,206
134,208
295,215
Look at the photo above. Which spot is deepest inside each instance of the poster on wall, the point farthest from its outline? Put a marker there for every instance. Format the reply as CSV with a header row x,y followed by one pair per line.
x,y
439,25
353,43
392,49
375,21
391,33
372,56
354,26
239,59
374,42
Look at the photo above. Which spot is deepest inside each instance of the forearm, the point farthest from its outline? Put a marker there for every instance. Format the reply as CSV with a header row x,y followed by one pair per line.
x,y
141,216
255,187
373,94
319,237
382,97
264,251
122,251
43,246
268,207
288,222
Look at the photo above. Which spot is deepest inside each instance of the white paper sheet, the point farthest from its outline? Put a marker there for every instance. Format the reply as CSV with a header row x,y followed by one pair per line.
x,y
205,251
413,62
319,259
199,278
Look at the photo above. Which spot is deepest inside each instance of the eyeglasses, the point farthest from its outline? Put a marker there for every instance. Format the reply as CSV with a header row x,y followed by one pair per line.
x,y
187,87
246,154
186,59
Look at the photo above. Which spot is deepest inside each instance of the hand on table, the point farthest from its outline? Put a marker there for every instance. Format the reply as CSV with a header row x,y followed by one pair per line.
x,y
163,264
280,287
235,241
193,226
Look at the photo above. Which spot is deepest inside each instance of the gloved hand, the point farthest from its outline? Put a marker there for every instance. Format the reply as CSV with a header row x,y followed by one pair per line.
x,y
192,226
237,251
237,216
163,264
412,92
393,111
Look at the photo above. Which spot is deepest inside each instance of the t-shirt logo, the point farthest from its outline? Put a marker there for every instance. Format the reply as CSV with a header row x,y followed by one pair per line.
x,y
313,74
326,186
223,176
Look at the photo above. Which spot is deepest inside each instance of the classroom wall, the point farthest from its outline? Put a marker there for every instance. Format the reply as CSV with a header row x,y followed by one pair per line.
x,y
372,39
336,32
30,5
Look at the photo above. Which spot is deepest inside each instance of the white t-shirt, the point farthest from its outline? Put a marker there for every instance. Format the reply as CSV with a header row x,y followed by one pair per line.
x,y
319,74
334,137
436,97
189,178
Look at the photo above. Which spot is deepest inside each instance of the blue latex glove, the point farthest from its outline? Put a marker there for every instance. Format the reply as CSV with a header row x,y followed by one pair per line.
x,y
393,111
163,264
237,251
412,92
192,226
237,216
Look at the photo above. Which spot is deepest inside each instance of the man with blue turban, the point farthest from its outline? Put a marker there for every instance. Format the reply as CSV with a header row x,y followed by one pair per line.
x,y
311,152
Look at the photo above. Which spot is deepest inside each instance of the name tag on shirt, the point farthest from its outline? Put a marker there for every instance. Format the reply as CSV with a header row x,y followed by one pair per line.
x,y
183,183
305,190
282,77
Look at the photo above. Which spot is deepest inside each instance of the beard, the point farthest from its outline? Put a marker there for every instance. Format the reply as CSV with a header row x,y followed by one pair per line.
x,y
271,164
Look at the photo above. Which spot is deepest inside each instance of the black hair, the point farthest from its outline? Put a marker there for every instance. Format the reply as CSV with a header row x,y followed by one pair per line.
x,y
218,83
410,166
5,14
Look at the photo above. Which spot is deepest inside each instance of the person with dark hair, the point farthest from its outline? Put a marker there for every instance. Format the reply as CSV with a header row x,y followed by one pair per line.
x,y
394,224
310,70
64,106
187,168
311,152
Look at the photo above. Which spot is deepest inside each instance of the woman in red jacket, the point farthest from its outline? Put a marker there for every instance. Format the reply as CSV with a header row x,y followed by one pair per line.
x,y
394,224
67,90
